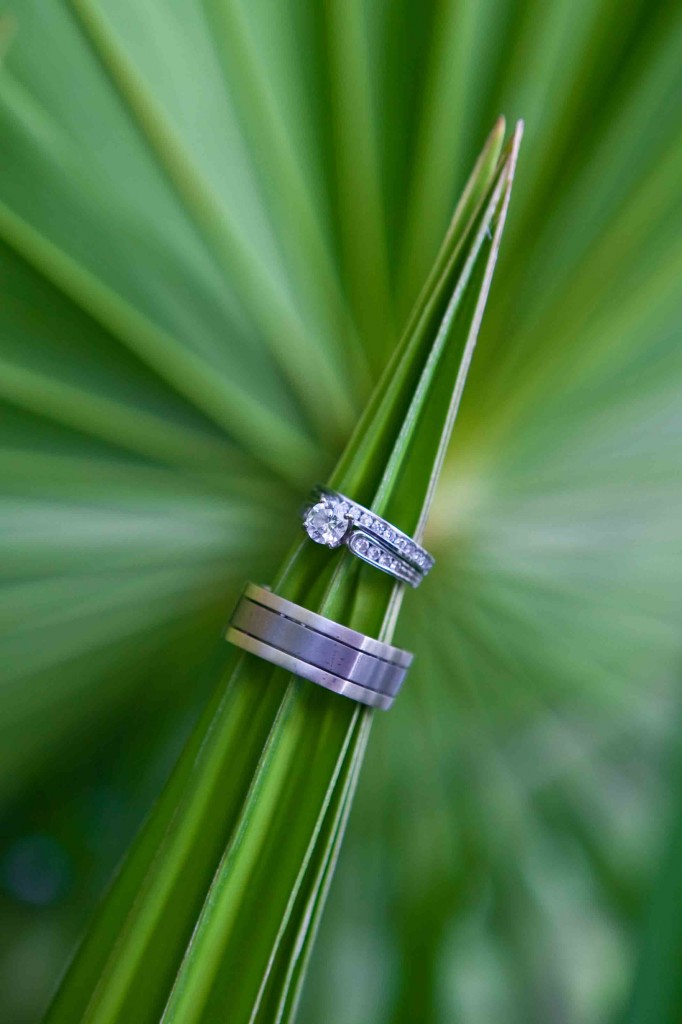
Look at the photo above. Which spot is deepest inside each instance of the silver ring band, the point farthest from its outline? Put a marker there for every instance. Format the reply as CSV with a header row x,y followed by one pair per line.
x,y
332,519
318,649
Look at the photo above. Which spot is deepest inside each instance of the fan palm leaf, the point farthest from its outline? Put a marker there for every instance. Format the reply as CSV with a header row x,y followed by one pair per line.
x,y
215,222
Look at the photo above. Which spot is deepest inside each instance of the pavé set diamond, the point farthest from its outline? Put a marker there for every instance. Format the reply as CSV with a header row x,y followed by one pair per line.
x,y
334,520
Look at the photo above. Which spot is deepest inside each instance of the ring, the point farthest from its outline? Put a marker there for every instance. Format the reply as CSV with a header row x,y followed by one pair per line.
x,y
332,519
316,648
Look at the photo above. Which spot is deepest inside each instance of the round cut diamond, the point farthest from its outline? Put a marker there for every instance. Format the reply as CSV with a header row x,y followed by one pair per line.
x,y
326,522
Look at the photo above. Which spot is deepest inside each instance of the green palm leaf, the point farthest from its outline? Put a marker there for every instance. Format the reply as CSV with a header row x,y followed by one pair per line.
x,y
267,773
215,223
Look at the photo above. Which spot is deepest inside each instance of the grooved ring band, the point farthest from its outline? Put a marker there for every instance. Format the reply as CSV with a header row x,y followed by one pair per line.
x,y
316,648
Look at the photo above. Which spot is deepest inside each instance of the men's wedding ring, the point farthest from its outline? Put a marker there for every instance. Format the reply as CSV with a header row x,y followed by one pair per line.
x,y
316,648
332,519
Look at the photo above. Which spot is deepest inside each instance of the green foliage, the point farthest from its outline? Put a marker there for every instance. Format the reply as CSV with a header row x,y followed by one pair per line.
x,y
236,852
215,220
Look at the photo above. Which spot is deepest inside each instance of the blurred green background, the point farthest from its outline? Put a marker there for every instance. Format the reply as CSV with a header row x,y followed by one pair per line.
x,y
214,218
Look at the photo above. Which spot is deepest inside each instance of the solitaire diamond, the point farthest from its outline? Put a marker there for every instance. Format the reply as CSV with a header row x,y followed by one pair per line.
x,y
327,522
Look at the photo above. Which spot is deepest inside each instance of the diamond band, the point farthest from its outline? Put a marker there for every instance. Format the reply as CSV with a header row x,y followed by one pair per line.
x,y
369,550
332,519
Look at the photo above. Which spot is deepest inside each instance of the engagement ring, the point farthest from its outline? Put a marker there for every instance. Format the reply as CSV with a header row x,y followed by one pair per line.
x,y
332,519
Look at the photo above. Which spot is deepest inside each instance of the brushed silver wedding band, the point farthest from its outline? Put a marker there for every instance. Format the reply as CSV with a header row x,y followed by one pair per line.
x,y
318,649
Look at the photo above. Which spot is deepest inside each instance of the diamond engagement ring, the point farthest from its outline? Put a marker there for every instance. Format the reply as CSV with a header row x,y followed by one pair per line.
x,y
316,648
332,519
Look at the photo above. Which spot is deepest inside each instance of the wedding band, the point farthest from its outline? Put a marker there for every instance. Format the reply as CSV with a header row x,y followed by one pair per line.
x,y
332,519
318,649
